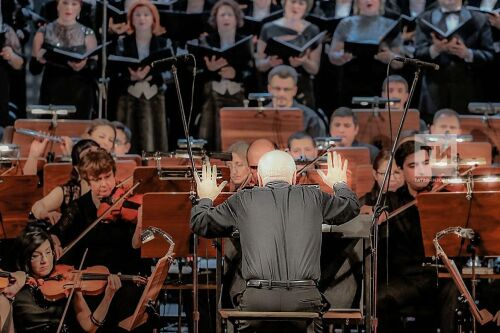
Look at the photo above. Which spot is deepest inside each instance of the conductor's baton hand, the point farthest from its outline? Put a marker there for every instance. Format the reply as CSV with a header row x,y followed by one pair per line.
x,y
207,186
337,171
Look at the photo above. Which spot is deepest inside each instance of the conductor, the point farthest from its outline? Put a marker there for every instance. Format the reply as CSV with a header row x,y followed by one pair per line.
x,y
280,233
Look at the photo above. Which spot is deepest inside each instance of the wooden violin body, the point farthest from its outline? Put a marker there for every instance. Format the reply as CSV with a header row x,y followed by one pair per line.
x,y
127,210
91,281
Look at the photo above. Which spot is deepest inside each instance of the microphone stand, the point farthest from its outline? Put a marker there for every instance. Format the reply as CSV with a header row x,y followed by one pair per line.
x,y
196,314
103,80
378,209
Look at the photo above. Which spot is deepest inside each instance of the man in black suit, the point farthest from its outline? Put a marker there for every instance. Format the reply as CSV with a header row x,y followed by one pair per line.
x,y
460,55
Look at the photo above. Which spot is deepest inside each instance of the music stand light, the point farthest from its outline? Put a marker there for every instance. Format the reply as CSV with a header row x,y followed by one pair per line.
x,y
149,233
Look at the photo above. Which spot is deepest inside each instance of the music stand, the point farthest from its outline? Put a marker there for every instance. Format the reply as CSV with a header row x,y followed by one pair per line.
x,y
17,196
374,125
177,206
249,124
482,128
152,182
483,219
150,293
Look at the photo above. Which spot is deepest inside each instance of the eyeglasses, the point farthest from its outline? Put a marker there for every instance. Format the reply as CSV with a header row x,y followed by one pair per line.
x,y
37,257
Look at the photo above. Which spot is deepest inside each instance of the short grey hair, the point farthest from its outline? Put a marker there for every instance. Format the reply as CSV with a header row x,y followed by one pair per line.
x,y
283,72
276,165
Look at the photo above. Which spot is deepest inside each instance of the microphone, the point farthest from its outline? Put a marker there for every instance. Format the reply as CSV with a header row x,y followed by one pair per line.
x,y
417,63
173,59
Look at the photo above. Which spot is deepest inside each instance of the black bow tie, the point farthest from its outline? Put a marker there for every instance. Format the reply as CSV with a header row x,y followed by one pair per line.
x,y
453,12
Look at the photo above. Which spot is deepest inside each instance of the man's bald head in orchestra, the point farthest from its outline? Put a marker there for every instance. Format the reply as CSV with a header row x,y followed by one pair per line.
x,y
257,149
276,166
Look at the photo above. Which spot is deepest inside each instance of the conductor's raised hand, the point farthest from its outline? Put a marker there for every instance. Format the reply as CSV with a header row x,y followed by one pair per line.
x,y
207,186
337,171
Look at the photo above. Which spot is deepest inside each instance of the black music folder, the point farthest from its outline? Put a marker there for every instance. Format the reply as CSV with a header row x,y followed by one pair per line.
x,y
409,21
284,49
440,34
163,4
2,38
114,10
485,11
182,26
324,23
252,26
239,53
122,62
60,56
369,48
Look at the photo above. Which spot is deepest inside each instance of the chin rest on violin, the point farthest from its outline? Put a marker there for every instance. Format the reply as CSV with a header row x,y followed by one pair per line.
x,y
127,210
90,281
5,279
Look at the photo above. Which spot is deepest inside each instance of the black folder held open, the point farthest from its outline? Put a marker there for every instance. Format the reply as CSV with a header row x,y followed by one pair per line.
x,y
240,53
285,50
367,48
60,56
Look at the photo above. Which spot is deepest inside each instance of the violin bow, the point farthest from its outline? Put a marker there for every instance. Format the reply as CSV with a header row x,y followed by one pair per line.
x,y
70,297
99,219
414,201
7,171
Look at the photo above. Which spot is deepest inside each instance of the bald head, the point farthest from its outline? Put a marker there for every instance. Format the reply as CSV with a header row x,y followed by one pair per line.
x,y
276,165
257,149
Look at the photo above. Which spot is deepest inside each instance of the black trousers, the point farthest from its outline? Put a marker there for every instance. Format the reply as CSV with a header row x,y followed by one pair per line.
x,y
304,299
440,301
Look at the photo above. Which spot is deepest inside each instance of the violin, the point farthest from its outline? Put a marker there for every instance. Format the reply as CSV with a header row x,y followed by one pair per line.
x,y
5,279
127,210
91,281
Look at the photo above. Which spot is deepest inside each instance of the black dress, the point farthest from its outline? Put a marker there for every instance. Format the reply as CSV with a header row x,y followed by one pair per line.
x,y
109,244
61,85
362,76
221,93
34,314
6,72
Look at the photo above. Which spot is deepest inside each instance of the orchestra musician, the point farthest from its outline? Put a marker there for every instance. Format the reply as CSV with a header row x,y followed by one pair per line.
x,y
238,166
395,181
123,139
118,253
402,280
280,233
255,151
344,123
32,312
282,83
101,131
55,203
302,147
446,121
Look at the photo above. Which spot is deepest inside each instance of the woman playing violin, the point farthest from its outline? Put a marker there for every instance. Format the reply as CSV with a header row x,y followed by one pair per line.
x,y
32,313
55,203
110,242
